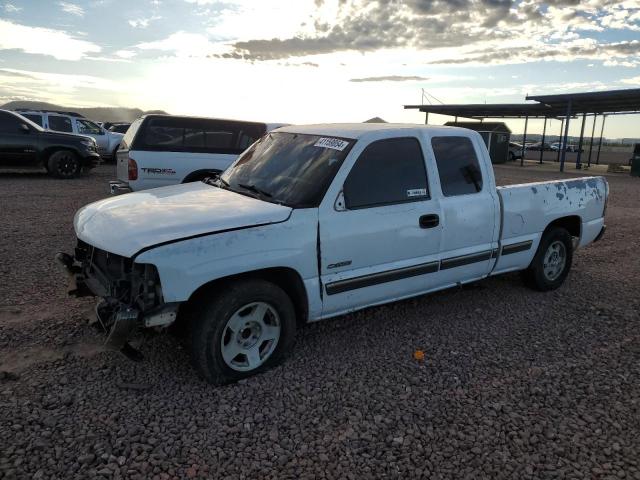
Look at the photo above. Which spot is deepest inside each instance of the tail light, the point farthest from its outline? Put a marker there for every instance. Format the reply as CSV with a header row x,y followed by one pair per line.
x,y
133,169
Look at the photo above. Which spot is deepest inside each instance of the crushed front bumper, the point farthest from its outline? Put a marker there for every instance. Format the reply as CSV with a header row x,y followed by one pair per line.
x,y
119,311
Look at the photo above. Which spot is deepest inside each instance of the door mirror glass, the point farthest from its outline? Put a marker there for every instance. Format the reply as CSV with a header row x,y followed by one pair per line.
x,y
24,128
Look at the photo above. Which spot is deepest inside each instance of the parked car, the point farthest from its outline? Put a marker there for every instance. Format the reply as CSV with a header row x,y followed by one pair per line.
x,y
161,150
119,127
539,146
568,148
25,145
515,151
315,221
71,122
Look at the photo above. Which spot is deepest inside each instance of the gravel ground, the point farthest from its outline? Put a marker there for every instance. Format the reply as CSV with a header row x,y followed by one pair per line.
x,y
514,384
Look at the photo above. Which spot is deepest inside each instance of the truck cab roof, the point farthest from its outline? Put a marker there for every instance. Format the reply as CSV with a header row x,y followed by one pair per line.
x,y
357,130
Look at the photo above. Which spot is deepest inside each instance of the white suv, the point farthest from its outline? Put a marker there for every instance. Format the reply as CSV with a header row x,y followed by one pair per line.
x,y
71,122
161,150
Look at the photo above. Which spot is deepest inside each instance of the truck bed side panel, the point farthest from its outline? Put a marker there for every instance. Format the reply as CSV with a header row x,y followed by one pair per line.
x,y
529,208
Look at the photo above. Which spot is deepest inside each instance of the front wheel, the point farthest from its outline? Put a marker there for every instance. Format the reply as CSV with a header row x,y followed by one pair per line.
x,y
64,164
245,329
552,261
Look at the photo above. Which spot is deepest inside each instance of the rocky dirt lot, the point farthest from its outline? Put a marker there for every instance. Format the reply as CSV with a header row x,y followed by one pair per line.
x,y
514,384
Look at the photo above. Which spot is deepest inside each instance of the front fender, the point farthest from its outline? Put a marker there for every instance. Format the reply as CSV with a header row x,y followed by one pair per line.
x,y
187,265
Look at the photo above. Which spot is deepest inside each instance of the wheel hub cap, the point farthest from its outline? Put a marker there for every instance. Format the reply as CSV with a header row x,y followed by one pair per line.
x,y
250,336
555,259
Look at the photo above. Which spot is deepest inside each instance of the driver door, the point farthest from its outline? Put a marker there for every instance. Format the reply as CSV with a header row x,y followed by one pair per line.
x,y
380,241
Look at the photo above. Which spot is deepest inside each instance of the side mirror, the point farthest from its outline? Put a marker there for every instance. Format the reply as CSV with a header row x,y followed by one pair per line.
x,y
24,128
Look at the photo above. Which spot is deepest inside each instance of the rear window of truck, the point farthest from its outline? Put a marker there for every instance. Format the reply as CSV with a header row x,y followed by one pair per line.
x,y
178,134
458,165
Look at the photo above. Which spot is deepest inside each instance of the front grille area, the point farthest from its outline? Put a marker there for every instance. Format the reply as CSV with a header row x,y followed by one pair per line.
x,y
115,276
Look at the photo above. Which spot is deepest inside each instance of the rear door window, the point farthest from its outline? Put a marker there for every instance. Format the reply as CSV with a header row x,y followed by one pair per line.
x,y
458,165
197,135
387,172
60,124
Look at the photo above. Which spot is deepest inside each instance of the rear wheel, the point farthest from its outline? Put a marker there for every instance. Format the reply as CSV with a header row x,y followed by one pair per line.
x,y
245,329
64,164
552,262
512,156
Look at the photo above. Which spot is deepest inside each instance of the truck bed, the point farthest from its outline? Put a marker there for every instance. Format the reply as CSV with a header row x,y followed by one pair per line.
x,y
528,208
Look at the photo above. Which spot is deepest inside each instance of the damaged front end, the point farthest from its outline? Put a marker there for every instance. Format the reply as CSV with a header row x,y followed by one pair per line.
x,y
131,294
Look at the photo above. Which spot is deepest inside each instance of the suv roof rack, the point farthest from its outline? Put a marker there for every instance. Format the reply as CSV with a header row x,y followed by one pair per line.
x,y
71,114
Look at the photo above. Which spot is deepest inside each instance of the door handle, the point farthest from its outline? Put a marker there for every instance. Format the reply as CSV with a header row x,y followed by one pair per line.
x,y
429,221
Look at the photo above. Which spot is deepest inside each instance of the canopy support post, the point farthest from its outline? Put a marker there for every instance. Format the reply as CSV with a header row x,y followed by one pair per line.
x,y
593,130
544,132
560,139
578,164
604,117
565,137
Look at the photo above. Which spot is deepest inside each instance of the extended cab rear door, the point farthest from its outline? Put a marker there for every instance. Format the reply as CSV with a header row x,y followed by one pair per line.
x,y
470,210
379,227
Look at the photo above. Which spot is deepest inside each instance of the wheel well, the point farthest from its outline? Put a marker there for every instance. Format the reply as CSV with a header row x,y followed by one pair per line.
x,y
200,174
572,224
286,278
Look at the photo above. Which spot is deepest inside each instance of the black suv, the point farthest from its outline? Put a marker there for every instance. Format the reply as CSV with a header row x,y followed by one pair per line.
x,y
23,144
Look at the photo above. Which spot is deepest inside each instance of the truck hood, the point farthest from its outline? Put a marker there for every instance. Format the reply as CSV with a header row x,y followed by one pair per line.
x,y
128,223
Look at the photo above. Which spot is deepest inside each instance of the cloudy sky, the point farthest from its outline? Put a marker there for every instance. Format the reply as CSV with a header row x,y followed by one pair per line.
x,y
315,60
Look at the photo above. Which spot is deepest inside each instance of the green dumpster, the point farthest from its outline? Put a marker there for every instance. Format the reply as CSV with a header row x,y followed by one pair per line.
x,y
635,161
635,167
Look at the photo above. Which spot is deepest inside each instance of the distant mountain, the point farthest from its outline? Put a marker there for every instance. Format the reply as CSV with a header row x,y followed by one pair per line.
x,y
98,114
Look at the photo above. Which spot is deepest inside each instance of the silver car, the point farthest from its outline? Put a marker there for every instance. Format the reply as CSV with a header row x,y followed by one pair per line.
x,y
71,122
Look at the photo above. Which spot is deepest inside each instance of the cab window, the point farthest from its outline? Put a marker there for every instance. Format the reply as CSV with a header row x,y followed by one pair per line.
x,y
387,172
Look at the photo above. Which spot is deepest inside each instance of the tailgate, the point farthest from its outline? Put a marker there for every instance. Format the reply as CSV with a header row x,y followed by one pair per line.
x,y
122,165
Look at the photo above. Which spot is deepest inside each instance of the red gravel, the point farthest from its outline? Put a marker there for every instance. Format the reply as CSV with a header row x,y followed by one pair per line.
x,y
514,383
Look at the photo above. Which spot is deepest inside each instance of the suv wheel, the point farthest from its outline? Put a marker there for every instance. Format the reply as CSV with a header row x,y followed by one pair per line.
x,y
245,329
64,164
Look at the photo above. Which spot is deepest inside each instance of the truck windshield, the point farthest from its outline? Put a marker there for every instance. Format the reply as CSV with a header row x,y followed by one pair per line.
x,y
289,168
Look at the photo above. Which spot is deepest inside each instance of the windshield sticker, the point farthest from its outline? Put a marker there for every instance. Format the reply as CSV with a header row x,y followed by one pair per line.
x,y
417,192
334,143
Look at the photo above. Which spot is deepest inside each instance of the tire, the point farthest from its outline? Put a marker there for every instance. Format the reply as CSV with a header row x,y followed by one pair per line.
x,y
253,319
64,164
542,274
512,156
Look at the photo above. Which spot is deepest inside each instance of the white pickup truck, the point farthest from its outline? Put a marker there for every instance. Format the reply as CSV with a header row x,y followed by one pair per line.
x,y
316,221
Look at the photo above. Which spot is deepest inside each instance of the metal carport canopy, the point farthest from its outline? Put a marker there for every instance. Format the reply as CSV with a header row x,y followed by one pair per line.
x,y
611,101
493,110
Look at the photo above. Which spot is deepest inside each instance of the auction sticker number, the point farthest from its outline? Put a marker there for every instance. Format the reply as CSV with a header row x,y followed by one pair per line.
x,y
333,143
